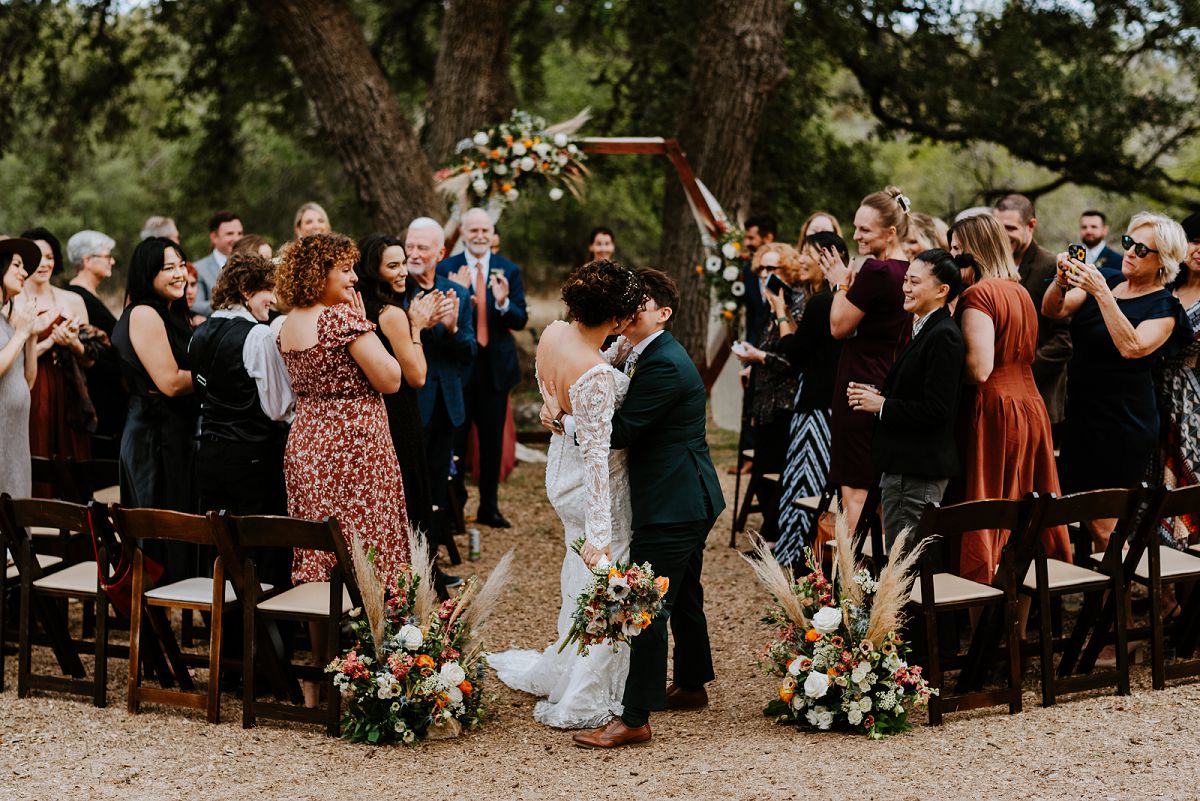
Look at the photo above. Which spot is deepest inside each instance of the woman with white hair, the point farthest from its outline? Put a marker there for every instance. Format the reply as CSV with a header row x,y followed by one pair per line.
x,y
1121,326
91,254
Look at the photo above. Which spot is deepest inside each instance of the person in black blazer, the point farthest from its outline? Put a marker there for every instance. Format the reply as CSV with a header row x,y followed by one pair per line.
x,y
913,444
1093,233
498,299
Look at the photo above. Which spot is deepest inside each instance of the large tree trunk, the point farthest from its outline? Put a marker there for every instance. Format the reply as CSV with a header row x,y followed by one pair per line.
x,y
738,62
471,82
356,108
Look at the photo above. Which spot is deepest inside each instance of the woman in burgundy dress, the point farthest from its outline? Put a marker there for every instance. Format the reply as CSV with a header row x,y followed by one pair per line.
x,y
339,460
868,313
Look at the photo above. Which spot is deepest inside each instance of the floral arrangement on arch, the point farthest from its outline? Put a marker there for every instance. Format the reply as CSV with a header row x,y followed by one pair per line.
x,y
416,668
838,648
723,271
496,164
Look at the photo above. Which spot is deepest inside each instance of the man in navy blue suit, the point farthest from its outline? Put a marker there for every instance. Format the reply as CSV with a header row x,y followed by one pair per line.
x,y
449,351
1093,233
497,296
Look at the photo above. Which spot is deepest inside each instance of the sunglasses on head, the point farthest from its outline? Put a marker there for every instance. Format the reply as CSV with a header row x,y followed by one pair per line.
x,y
1139,249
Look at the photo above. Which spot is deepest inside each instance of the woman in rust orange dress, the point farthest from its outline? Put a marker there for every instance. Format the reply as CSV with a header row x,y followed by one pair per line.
x,y
1005,439
339,460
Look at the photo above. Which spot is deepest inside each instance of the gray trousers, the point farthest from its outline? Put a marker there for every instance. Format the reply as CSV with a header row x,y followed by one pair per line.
x,y
903,498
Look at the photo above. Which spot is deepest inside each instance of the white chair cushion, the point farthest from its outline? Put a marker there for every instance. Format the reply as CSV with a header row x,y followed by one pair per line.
x,y
192,591
1064,574
79,578
310,598
1171,563
810,503
771,477
43,531
1195,549
45,560
108,495
950,589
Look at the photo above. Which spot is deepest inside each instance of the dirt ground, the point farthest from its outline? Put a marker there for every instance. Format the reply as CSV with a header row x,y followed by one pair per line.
x,y
1089,747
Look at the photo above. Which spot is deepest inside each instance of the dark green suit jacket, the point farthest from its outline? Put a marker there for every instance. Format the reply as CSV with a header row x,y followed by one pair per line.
x,y
662,424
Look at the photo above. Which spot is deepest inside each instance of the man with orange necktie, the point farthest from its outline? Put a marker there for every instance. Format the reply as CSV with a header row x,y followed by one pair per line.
x,y
498,298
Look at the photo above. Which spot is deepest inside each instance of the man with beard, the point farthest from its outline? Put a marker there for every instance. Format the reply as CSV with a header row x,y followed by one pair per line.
x,y
1093,233
1037,266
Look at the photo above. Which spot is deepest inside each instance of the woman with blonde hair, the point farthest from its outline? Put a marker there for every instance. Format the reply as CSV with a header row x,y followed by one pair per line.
x,y
868,313
1121,326
818,222
1004,429
310,219
925,232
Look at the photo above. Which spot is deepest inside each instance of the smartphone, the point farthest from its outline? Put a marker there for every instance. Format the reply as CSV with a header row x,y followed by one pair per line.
x,y
775,284
738,347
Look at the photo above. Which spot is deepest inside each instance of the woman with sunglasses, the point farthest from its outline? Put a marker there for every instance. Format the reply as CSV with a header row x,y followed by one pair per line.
x,y
1120,327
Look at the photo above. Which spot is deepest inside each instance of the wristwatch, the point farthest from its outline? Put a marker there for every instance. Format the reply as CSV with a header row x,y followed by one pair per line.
x,y
557,422
783,319
841,288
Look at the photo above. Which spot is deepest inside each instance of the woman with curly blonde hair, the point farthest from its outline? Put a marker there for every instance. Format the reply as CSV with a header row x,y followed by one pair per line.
x,y
339,460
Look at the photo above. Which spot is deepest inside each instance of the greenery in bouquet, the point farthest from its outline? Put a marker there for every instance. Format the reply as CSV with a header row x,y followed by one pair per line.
x,y
618,605
416,667
723,271
838,648
496,164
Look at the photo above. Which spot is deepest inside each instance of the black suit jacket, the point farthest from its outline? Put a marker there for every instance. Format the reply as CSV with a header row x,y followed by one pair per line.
x,y
758,311
915,434
502,348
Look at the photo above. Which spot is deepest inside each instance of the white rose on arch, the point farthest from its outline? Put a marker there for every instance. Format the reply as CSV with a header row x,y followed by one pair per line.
x,y
480,186
511,195
480,138
556,194
730,306
518,149
731,273
729,251
560,140
737,289
527,163
827,620
501,169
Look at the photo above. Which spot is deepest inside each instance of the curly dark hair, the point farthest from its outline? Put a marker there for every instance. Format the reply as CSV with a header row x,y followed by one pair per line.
x,y
600,291
244,274
304,265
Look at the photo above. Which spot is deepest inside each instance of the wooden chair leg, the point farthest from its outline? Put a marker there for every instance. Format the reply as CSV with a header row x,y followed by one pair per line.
x,y
162,630
1158,670
1122,630
1046,635
1014,655
333,723
214,644
935,665
249,663
24,643
135,635
100,668
1084,624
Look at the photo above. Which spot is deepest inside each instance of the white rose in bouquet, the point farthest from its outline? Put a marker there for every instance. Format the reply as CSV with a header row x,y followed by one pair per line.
x,y
816,685
556,194
519,149
452,674
456,696
827,620
409,637
729,251
730,273
860,671
481,138
560,140
527,164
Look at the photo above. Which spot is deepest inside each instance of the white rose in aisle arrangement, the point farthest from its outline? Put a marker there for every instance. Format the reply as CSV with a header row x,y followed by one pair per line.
x,y
452,674
827,620
816,685
409,637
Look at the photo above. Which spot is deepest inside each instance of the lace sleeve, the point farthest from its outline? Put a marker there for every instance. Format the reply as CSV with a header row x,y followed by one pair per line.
x,y
593,398
616,353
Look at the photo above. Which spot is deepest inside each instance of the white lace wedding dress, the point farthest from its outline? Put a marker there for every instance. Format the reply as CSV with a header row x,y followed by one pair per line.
x,y
588,485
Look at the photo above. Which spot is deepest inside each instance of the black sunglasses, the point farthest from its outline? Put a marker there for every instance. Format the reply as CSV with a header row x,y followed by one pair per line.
x,y
1138,248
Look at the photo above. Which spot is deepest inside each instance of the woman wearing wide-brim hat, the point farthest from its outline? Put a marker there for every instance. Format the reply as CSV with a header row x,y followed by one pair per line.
x,y
18,365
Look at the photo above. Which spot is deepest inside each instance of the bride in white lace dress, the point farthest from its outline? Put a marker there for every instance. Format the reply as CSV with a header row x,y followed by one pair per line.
x,y
588,485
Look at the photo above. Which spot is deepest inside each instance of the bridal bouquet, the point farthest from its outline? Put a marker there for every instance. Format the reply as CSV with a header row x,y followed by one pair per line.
x,y
416,668
837,647
618,605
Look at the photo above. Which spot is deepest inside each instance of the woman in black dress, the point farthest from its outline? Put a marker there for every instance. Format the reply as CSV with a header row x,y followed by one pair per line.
x,y
91,254
383,281
158,444
1121,326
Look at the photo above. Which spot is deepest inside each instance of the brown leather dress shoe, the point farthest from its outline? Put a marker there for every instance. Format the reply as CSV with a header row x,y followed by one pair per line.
x,y
679,698
613,735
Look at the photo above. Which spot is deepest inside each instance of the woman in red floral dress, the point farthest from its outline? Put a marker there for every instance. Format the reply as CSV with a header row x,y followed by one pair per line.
x,y
340,460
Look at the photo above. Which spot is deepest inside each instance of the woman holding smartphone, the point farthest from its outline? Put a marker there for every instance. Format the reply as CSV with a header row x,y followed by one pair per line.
x,y
773,377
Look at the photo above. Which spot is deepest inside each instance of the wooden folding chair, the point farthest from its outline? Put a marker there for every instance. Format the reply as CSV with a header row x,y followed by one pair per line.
x,y
1049,579
751,502
937,592
322,602
211,595
44,597
1162,567
94,479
